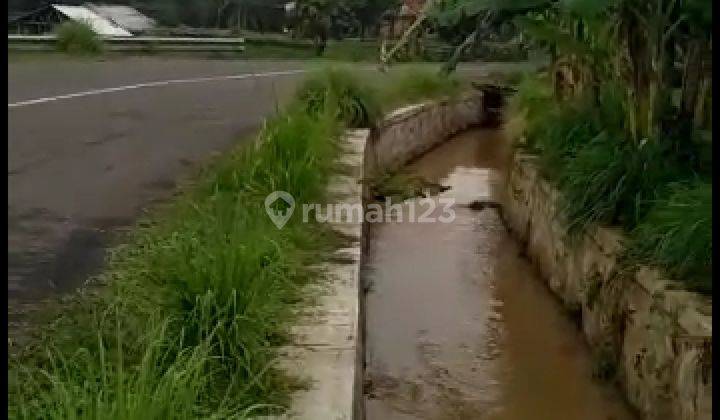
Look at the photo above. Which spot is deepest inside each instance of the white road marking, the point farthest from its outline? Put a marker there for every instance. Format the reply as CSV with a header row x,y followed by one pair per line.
x,y
150,84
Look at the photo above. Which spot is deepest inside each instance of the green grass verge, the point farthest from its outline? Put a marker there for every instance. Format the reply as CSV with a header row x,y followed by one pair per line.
x,y
194,306
186,320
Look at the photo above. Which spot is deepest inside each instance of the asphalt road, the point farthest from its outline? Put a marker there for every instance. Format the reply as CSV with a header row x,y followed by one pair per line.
x,y
80,168
85,158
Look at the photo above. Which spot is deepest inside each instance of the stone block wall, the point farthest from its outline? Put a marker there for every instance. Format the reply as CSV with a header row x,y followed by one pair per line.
x,y
411,131
655,336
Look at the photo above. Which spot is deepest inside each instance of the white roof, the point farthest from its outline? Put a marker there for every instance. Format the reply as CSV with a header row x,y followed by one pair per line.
x,y
98,23
123,16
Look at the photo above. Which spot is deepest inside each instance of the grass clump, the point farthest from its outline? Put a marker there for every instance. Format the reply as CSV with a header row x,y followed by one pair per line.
x,y
606,178
353,101
556,131
583,149
193,309
78,38
611,181
677,234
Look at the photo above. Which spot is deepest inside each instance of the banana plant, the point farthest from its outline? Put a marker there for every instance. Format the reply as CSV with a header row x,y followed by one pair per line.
x,y
696,41
634,42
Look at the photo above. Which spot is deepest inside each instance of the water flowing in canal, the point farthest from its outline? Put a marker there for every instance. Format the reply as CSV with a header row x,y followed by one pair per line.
x,y
458,323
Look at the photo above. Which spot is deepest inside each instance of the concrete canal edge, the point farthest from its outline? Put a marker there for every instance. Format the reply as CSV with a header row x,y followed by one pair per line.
x,y
656,337
328,348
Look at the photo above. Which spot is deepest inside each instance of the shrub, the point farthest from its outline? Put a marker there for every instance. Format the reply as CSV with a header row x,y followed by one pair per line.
x,y
557,131
533,98
583,148
78,38
611,180
676,234
341,92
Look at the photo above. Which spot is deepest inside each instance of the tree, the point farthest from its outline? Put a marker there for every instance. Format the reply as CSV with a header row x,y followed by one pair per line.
x,y
637,43
478,16
368,12
598,42
315,16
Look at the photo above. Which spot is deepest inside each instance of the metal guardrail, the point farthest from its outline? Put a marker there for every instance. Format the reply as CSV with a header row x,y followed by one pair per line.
x,y
135,43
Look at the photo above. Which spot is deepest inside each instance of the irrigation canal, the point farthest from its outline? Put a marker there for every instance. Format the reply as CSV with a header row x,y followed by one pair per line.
x,y
459,325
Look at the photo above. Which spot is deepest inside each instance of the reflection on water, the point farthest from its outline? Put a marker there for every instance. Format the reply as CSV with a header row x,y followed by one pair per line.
x,y
458,324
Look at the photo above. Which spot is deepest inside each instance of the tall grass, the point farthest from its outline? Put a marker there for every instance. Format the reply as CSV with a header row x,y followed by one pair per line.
x,y
556,131
78,38
354,100
677,234
606,178
195,306
582,147
612,181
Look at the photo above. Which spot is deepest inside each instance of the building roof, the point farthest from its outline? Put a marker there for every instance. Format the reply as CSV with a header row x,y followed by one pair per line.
x,y
123,16
412,7
99,24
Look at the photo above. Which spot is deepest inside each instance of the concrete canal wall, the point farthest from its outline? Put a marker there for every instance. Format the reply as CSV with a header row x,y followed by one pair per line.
x,y
328,342
654,335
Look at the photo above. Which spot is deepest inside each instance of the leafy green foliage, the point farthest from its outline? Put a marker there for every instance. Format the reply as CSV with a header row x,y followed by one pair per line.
x,y
582,147
585,8
78,38
677,234
557,130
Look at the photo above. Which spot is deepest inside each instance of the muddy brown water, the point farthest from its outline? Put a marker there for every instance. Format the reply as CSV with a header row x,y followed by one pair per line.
x,y
459,325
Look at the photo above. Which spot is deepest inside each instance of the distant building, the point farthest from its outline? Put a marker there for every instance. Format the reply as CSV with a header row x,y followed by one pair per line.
x,y
125,17
396,22
105,20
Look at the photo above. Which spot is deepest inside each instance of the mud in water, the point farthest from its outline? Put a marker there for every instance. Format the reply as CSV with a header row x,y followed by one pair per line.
x,y
459,325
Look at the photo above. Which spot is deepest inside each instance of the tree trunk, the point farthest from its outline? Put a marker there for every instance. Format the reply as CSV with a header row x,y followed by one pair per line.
x,y
691,80
452,63
641,69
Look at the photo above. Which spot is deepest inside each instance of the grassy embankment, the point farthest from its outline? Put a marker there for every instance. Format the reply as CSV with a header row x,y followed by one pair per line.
x,y
659,191
186,319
